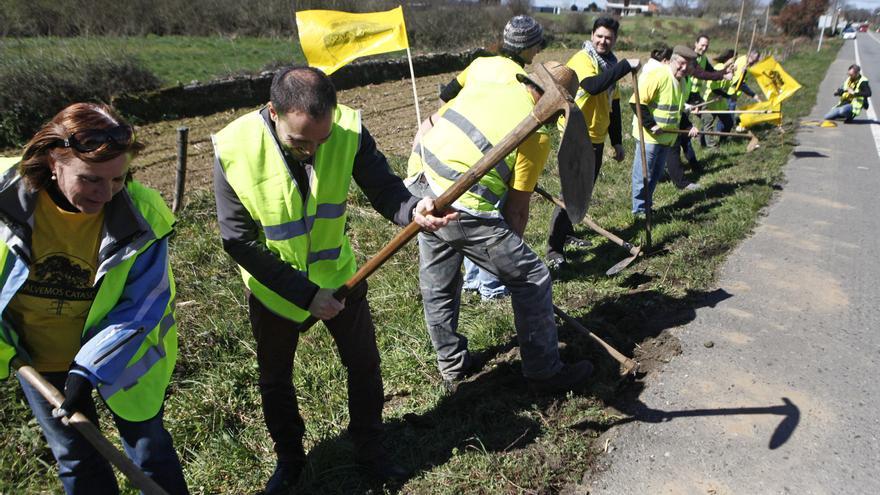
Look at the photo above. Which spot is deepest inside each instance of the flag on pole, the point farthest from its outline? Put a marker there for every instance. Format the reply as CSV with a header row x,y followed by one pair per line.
x,y
775,83
331,39
749,119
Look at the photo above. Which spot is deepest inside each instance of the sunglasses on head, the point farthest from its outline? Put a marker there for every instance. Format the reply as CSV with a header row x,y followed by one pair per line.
x,y
119,137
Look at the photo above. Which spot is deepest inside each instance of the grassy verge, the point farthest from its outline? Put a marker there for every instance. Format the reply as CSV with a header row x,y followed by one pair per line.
x,y
491,436
173,59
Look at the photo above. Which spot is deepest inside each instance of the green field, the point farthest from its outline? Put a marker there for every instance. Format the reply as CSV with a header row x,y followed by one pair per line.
x,y
491,436
174,59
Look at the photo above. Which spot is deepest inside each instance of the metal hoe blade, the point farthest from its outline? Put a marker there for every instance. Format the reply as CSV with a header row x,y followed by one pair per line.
x,y
577,165
624,262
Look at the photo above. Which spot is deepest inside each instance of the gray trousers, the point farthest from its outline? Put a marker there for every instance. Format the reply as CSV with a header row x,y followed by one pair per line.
x,y
493,246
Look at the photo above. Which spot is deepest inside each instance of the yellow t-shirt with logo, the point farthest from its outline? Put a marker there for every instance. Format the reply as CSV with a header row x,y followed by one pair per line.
x,y
50,309
595,108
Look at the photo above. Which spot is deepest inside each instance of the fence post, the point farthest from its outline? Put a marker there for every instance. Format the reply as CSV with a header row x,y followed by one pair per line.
x,y
180,182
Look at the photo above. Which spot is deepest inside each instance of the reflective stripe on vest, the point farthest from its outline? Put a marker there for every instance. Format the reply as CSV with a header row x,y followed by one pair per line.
x,y
144,380
309,236
857,102
480,116
665,107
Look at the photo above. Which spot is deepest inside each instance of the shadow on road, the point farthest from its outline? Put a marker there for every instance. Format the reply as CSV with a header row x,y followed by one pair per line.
x,y
791,416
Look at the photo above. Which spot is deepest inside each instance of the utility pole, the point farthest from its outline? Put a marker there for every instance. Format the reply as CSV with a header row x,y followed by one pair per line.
x,y
767,17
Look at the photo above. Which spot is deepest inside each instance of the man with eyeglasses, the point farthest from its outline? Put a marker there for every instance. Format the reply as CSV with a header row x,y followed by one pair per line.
x,y
281,180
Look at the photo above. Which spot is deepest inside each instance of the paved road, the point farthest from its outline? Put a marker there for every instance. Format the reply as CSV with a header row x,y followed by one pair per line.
x,y
801,325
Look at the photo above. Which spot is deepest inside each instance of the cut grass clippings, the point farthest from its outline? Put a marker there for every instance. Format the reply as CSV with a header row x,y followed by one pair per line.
x,y
491,435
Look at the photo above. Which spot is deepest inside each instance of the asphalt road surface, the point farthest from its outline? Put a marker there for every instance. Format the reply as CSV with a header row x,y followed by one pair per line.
x,y
787,399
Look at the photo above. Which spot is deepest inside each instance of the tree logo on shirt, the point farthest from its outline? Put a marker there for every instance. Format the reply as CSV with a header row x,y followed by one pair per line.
x,y
61,278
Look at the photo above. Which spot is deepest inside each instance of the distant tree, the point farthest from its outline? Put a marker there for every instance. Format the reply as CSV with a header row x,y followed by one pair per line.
x,y
801,19
519,7
857,15
574,8
680,7
777,5
593,7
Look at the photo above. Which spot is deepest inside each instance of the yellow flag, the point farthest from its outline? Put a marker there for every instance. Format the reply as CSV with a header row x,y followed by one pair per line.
x,y
775,83
774,117
331,39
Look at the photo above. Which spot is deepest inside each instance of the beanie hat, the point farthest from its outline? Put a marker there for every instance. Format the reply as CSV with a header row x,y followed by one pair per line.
x,y
522,32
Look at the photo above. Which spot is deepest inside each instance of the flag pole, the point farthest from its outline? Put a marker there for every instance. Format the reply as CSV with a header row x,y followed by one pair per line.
x,y
412,78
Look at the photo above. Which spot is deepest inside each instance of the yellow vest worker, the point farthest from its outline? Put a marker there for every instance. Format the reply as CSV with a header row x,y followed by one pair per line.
x,y
281,181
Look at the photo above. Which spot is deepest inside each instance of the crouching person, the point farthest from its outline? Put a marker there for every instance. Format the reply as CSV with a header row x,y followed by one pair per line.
x,y
88,295
490,235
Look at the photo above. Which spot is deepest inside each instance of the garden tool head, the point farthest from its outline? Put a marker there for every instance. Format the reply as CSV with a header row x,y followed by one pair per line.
x,y
576,159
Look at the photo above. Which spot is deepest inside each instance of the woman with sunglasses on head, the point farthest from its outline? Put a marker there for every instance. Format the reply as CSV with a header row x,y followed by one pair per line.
x,y
87,293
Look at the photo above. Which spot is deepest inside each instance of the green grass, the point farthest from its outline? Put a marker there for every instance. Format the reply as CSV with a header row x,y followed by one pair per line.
x,y
636,33
491,436
174,59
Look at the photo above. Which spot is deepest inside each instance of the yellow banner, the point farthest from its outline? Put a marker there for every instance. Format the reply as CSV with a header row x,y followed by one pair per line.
x,y
749,119
775,83
331,39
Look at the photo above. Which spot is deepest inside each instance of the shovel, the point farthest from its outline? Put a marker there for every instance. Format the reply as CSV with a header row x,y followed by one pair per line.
x,y
88,430
754,143
635,251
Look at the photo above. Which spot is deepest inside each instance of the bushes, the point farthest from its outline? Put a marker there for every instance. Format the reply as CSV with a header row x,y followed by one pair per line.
x,y
34,89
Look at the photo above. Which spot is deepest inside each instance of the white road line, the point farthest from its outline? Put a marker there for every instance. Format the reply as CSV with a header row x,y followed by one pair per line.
x,y
871,35
875,128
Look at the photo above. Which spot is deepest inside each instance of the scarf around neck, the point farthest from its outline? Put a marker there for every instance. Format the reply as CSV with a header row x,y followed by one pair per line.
x,y
603,62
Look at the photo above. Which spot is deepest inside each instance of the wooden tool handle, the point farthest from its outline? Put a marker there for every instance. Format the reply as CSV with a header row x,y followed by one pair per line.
x,y
91,432
629,365
645,180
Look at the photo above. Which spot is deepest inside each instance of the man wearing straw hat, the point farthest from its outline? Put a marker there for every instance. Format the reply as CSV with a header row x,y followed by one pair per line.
x,y
523,38
490,228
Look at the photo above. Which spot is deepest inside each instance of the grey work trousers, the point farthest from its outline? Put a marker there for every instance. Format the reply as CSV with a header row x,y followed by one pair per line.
x,y
493,246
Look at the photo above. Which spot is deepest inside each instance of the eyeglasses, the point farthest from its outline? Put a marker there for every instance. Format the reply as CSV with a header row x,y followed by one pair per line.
x,y
119,137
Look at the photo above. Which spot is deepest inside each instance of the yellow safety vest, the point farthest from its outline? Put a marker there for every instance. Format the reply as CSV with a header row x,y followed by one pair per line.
x,y
739,74
472,123
309,236
857,102
665,106
720,103
696,85
139,391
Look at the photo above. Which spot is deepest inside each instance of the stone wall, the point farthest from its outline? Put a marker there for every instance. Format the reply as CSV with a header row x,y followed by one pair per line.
x,y
246,91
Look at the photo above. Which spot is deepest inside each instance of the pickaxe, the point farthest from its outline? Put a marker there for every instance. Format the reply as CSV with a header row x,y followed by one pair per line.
x,y
635,251
629,366
754,143
88,430
731,112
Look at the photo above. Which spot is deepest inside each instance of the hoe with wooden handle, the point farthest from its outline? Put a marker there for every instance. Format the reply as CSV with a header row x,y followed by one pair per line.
x,y
629,366
87,429
635,251
754,143
553,101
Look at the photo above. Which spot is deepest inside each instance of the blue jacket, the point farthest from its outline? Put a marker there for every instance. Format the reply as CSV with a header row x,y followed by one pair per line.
x,y
129,341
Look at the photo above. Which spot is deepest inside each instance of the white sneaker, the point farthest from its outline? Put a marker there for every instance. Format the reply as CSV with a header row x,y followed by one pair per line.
x,y
693,186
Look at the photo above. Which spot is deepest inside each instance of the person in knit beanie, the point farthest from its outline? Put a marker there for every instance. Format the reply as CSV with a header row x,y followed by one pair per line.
x,y
523,39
